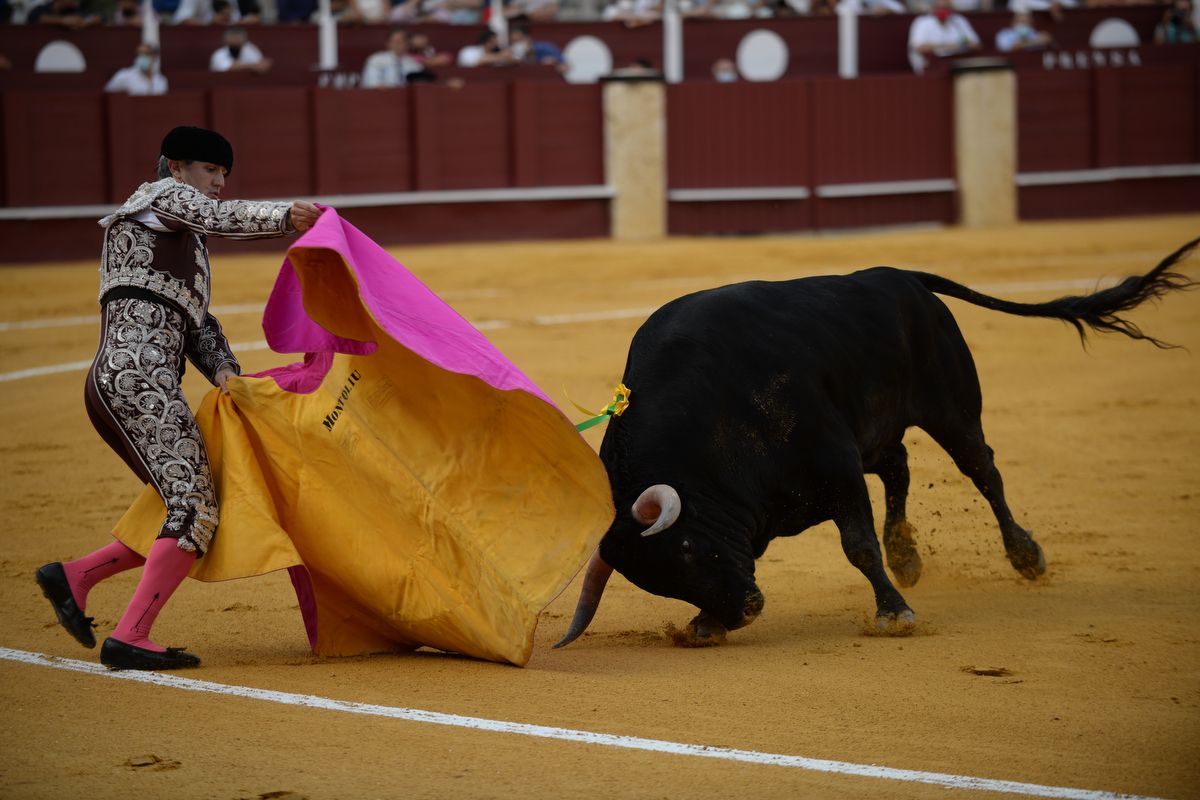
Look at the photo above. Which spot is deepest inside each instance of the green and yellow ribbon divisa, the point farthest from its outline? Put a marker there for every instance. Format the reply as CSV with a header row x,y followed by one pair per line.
x,y
616,408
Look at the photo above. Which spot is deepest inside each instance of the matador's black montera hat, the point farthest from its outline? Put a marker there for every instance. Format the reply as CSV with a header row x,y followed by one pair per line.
x,y
187,143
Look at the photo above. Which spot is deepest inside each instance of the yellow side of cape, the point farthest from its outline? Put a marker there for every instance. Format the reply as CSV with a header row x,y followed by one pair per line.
x,y
428,507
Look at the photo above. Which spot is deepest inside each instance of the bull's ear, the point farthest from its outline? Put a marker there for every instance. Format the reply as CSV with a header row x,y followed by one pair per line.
x,y
660,505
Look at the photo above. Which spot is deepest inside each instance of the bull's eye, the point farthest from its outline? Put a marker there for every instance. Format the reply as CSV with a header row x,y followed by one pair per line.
x,y
685,546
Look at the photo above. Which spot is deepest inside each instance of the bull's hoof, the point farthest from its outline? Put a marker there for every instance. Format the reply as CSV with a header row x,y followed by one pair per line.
x,y
1030,562
901,623
902,557
703,631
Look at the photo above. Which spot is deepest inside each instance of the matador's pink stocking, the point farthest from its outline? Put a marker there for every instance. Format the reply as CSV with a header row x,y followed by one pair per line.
x,y
166,568
84,573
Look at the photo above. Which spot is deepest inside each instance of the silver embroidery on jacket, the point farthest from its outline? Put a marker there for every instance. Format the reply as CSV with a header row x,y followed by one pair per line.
x,y
137,376
128,258
128,255
237,219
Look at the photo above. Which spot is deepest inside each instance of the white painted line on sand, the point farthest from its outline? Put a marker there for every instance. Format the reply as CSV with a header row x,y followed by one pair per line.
x,y
564,319
76,366
945,780
594,316
541,320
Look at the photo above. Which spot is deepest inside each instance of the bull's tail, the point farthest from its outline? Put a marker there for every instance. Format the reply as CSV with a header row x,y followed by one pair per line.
x,y
1099,311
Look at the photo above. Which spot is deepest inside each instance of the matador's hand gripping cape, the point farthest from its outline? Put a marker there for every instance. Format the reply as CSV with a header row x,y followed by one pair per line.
x,y
422,490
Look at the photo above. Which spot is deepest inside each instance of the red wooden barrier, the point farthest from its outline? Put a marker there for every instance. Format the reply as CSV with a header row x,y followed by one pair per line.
x,y
558,135
812,135
363,141
887,128
271,133
463,137
1054,121
55,148
1109,118
721,135
136,126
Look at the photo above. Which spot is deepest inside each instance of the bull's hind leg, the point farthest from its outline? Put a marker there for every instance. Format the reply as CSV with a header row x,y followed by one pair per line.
x,y
857,527
975,459
902,556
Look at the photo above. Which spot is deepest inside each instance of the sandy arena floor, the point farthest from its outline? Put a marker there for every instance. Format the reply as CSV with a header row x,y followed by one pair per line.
x,y
1090,675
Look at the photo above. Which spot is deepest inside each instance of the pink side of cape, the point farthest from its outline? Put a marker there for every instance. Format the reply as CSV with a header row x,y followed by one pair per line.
x,y
406,309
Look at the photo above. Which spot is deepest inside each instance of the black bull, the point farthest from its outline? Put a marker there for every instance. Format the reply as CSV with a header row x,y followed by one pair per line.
x,y
757,408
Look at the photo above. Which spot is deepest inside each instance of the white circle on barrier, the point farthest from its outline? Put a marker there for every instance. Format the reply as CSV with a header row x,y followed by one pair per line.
x,y
587,59
60,56
1114,32
762,55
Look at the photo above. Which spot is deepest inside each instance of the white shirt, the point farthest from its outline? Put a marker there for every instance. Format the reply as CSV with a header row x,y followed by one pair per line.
x,y
470,55
373,10
385,68
132,80
948,39
222,61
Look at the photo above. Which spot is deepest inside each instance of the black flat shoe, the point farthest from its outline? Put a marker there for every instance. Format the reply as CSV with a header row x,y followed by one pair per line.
x,y
53,580
116,654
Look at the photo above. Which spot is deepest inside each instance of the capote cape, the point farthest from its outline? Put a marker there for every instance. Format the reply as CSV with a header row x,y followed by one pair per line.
x,y
420,489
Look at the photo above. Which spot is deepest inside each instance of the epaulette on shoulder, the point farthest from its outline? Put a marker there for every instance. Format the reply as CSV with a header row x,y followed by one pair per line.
x,y
140,200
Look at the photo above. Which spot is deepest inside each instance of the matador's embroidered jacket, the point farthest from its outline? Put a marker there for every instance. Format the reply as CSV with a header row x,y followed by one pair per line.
x,y
155,248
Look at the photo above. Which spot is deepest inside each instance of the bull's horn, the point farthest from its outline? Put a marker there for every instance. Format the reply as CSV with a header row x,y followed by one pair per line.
x,y
659,504
594,580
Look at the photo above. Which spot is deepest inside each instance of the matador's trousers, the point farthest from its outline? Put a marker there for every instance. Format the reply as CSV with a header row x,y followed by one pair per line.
x,y
134,399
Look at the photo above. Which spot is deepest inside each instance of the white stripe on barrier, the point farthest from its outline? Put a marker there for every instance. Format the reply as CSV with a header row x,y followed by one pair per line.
x,y
945,780
516,194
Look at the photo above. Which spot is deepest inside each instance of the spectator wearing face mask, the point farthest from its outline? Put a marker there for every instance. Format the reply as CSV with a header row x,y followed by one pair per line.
x,y
526,49
1178,25
1022,35
238,54
143,78
65,13
486,52
724,71
126,12
938,34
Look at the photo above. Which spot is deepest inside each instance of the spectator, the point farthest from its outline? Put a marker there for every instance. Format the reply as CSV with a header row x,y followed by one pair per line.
x,y
424,52
238,54
486,52
724,71
1178,26
296,10
127,12
248,12
1022,35
525,50
165,9
224,13
878,8
938,34
344,12
143,78
633,12
535,10
372,11
67,13
194,12
971,6
393,66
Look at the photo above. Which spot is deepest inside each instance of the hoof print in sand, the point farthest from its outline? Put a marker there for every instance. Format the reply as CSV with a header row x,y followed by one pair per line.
x,y
152,763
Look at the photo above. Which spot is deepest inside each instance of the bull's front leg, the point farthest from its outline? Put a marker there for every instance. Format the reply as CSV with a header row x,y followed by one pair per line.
x,y
857,526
